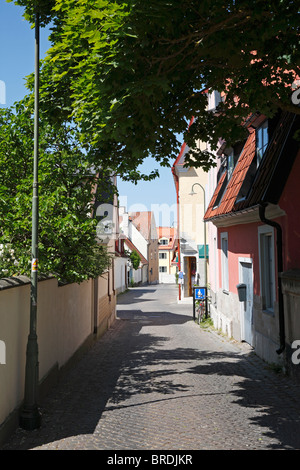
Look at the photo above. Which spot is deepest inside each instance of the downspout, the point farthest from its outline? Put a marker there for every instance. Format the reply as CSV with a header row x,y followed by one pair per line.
x,y
262,209
178,234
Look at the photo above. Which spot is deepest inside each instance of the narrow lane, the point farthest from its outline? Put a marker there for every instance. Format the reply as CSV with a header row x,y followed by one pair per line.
x,y
157,381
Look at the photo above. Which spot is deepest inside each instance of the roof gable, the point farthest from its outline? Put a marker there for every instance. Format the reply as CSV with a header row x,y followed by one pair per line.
x,y
231,191
145,223
170,234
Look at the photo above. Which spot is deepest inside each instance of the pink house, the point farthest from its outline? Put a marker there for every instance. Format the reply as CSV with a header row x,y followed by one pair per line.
x,y
254,213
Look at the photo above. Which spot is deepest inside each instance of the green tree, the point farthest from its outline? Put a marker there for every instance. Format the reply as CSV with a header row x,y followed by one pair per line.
x,y
132,73
135,259
68,248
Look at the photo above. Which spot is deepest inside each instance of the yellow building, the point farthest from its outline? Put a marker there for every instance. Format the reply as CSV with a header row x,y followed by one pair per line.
x,y
167,240
190,184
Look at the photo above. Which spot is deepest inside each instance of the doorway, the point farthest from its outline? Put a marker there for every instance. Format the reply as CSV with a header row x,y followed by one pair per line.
x,y
190,272
246,277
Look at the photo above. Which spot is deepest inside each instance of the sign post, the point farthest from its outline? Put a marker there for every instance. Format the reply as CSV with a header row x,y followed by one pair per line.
x,y
199,293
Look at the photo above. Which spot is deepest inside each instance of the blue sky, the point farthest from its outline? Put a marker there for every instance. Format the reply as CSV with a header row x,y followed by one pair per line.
x,y
17,62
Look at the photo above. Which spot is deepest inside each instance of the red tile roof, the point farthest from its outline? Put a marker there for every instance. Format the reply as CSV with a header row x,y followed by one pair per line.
x,y
231,192
167,232
271,176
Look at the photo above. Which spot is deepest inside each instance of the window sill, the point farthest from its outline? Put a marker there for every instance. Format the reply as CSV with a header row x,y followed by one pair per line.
x,y
268,311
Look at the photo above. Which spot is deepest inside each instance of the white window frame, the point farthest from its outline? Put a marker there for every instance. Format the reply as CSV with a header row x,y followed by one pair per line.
x,y
263,135
267,267
163,269
230,163
224,263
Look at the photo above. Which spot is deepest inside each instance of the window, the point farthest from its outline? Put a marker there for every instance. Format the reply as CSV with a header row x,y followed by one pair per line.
x,y
267,266
163,269
221,192
224,261
230,164
233,154
162,255
262,139
164,241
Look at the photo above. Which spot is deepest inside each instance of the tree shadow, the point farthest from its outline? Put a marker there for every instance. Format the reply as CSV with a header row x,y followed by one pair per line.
x,y
127,368
135,295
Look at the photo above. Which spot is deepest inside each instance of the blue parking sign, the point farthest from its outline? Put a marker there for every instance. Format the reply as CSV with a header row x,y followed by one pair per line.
x,y
200,293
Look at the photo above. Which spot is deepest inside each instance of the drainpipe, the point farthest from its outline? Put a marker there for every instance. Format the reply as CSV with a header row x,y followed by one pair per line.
x,y
262,209
178,234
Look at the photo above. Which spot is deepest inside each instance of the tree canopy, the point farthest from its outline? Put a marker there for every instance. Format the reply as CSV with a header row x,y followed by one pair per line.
x,y
135,259
131,74
68,248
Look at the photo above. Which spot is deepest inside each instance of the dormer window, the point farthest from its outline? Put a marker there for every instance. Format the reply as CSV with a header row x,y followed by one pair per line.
x,y
232,156
262,139
230,163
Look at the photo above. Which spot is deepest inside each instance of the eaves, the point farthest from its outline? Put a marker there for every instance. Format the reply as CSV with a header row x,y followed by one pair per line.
x,y
246,216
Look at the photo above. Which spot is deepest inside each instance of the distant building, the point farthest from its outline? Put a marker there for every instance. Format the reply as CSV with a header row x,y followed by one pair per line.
x,y
190,186
138,229
167,254
144,222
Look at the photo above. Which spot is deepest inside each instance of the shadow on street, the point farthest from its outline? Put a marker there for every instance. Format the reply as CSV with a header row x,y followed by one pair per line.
x,y
125,365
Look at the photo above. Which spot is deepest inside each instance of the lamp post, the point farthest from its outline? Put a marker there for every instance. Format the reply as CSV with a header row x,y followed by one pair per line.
x,y
205,255
30,416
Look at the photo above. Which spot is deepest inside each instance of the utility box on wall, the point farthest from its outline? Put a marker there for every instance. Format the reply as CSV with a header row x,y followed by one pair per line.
x,y
242,288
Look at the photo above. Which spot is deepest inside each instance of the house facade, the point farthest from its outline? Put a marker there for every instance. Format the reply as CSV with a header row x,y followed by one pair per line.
x,y
254,235
139,275
144,223
133,240
121,262
190,186
167,240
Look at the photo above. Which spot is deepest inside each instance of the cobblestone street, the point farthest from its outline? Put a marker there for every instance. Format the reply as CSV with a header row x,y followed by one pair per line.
x,y
157,381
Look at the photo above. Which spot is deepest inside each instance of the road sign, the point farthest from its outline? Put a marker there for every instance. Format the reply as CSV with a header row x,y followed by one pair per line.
x,y
200,293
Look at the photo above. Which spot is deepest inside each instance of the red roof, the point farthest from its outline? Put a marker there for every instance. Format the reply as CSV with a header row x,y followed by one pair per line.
x,y
167,232
231,192
269,179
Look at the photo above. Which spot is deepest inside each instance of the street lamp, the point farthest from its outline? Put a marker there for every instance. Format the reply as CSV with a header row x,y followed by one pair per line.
x,y
192,193
30,416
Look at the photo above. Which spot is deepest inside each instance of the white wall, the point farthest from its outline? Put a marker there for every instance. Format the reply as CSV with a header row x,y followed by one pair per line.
x,y
120,270
137,275
166,278
138,240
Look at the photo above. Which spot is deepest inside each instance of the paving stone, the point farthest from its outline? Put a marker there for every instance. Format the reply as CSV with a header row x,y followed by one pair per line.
x,y
157,381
